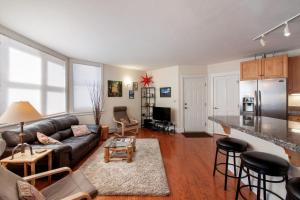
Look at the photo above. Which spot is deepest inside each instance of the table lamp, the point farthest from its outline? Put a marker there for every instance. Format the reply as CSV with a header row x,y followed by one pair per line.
x,y
20,112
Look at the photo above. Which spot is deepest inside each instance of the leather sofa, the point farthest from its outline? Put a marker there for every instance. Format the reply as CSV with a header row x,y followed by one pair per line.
x,y
69,153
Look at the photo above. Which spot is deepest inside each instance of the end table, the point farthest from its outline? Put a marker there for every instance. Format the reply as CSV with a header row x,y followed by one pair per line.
x,y
28,159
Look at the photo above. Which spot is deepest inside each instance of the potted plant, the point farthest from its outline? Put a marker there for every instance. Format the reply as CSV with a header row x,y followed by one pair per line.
x,y
96,96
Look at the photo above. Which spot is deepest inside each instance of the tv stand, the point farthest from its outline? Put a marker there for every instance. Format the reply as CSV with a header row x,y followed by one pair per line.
x,y
164,126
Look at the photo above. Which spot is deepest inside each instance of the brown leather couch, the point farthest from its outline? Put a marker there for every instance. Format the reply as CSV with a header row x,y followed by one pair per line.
x,y
69,153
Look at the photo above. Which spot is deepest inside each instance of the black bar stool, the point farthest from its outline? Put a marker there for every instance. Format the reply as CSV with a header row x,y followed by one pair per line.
x,y
293,189
264,164
227,146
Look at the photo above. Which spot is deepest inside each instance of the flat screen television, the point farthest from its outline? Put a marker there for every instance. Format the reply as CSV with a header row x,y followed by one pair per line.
x,y
162,114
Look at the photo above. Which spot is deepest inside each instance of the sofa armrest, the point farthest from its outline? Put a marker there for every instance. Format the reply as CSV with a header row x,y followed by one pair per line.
x,y
94,128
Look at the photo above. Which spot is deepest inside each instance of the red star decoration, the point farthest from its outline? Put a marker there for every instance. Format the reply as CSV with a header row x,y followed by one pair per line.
x,y
146,80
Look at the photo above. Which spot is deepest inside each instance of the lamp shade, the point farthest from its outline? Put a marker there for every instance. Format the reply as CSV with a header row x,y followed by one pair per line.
x,y
21,111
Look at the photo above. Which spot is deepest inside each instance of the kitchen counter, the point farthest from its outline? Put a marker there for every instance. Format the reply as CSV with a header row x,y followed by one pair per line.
x,y
283,133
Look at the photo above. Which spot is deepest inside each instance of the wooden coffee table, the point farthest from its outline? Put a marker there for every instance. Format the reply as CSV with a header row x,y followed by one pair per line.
x,y
120,148
28,159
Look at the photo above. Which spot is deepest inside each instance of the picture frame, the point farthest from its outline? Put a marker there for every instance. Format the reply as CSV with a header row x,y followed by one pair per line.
x,y
115,88
131,94
165,92
135,86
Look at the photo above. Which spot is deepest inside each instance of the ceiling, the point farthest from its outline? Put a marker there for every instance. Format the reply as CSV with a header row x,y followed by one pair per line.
x,y
145,34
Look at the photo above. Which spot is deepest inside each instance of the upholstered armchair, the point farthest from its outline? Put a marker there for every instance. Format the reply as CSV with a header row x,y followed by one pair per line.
x,y
74,186
124,123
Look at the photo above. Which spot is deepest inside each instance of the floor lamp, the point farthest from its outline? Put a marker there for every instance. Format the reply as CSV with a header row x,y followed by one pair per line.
x,y
20,112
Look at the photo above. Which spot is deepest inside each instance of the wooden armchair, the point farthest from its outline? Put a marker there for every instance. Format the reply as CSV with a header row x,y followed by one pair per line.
x,y
124,123
74,186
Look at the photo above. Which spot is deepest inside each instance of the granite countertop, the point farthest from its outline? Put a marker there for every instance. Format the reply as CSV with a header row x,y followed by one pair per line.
x,y
283,133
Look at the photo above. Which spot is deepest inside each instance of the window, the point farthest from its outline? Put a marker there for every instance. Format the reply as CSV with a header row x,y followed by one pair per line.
x,y
27,74
84,76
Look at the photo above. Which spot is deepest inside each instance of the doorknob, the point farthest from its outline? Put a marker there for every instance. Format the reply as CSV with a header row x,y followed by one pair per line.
x,y
216,108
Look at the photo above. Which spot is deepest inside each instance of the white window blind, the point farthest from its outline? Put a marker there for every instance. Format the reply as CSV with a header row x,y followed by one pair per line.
x,y
84,76
27,74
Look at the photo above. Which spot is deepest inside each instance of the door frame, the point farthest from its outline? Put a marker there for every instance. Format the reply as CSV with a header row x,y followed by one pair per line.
x,y
181,104
211,96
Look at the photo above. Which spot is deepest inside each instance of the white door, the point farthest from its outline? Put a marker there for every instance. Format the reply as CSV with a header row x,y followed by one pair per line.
x,y
226,97
194,99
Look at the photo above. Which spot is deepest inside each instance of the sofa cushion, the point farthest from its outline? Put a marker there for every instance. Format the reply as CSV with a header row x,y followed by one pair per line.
x,y
63,134
62,123
45,127
80,145
12,138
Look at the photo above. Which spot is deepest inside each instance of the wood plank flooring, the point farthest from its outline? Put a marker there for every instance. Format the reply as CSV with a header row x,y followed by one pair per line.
x,y
189,167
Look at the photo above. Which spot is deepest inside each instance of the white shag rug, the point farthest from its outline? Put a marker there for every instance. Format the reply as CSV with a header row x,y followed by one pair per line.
x,y
145,175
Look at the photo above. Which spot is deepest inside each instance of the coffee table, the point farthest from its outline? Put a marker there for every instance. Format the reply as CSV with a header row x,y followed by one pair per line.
x,y
120,148
28,159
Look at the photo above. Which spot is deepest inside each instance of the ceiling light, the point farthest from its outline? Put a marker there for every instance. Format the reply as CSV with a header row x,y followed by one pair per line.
x,y
286,30
262,41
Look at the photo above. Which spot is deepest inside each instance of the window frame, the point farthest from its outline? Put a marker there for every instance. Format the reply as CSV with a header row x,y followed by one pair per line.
x,y
5,44
73,61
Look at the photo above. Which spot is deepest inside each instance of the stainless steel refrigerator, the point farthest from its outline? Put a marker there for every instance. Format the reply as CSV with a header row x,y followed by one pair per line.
x,y
264,98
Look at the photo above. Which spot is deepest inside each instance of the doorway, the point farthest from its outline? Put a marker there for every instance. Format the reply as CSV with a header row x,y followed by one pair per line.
x,y
194,104
225,97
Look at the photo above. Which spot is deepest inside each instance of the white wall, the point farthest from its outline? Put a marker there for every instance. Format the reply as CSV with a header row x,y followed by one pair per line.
x,y
133,105
192,70
168,77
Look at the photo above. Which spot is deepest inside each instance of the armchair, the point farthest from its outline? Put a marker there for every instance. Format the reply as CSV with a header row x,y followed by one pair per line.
x,y
124,123
74,186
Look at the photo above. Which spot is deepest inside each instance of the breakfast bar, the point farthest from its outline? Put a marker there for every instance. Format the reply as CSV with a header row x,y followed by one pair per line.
x,y
264,134
282,133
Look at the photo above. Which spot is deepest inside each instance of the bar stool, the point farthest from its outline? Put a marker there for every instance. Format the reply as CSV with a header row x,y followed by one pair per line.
x,y
264,164
293,189
225,146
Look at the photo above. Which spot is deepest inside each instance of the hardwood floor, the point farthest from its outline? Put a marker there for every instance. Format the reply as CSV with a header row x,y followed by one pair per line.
x,y
189,167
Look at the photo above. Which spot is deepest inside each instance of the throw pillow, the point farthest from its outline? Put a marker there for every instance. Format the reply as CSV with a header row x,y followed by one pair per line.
x,y
80,130
28,192
44,139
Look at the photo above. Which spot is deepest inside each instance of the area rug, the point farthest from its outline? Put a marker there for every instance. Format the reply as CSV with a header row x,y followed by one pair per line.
x,y
145,175
196,134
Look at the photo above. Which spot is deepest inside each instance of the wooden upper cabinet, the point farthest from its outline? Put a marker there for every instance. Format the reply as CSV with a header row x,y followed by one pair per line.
x,y
250,70
294,75
266,68
275,67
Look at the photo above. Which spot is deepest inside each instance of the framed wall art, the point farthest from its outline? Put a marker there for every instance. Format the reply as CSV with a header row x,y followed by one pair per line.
x,y
114,88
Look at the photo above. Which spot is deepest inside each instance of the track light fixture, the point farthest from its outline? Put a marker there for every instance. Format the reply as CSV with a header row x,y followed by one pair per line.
x,y
262,41
286,30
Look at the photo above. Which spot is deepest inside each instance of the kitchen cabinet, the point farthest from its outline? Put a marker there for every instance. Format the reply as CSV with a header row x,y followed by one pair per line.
x,y
250,70
294,75
294,118
275,67
266,68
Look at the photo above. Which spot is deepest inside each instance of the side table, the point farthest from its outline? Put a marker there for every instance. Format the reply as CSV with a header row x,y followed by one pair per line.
x,y
28,159
104,132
